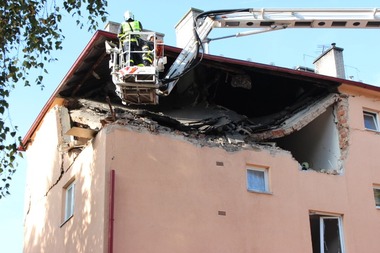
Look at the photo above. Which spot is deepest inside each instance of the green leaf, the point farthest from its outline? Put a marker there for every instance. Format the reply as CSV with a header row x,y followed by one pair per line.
x,y
31,33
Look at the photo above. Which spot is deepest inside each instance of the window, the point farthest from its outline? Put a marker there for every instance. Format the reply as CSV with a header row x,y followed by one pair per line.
x,y
376,193
370,121
257,179
326,233
69,200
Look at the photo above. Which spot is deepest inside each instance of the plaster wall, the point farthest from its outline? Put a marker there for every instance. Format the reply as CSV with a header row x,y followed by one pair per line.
x,y
362,168
49,170
175,196
317,143
170,195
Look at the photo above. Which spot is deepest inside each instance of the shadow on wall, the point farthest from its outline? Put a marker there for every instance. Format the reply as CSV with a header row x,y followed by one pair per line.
x,y
50,232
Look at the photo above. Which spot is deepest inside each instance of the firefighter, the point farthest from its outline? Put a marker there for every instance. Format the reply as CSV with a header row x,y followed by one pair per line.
x,y
131,42
149,47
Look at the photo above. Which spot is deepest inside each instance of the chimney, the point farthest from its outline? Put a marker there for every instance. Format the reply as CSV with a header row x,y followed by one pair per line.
x,y
330,62
184,28
112,27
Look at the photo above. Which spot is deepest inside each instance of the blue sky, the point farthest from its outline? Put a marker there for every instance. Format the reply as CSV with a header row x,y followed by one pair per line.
x,y
286,48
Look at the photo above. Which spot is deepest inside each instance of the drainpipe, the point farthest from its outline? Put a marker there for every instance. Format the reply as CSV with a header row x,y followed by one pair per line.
x,y
111,202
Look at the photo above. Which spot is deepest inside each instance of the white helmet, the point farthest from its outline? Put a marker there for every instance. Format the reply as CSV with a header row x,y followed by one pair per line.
x,y
128,15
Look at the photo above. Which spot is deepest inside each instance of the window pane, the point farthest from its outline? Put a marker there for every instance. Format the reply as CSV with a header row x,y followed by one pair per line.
x,y
326,234
370,121
256,180
69,208
376,193
332,238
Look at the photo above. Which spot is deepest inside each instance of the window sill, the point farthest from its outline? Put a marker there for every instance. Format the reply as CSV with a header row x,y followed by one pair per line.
x,y
372,130
63,223
253,191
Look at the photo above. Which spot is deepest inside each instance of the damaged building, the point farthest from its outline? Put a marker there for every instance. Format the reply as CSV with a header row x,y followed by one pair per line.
x,y
240,157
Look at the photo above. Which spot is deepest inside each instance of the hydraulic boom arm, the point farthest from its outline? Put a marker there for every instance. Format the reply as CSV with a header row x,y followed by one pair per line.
x,y
262,20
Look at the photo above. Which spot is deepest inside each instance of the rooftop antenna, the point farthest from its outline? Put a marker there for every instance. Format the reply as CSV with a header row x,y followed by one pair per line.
x,y
307,62
322,48
353,77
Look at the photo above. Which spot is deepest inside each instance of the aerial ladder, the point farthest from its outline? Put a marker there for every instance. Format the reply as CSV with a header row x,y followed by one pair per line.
x,y
257,21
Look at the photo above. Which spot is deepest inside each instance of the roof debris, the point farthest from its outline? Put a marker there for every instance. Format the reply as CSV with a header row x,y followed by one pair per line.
x,y
221,102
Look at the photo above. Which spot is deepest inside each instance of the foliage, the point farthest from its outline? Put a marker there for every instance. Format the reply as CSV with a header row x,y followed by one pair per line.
x,y
30,32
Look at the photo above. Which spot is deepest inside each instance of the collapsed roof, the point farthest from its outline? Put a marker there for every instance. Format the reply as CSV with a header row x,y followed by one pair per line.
x,y
220,96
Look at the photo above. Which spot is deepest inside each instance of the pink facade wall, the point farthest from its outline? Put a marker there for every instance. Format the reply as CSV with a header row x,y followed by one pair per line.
x,y
169,194
44,232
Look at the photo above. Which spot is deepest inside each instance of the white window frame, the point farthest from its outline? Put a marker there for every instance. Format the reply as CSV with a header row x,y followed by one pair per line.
x,y
265,172
376,188
322,231
69,201
374,116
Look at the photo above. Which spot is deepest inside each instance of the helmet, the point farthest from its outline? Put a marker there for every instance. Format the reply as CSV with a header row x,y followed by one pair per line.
x,y
150,37
128,15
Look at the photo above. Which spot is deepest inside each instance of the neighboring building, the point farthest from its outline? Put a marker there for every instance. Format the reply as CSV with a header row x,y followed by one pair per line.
x,y
240,157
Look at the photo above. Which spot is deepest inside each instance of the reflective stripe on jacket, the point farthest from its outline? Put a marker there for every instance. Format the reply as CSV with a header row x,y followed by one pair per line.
x,y
125,28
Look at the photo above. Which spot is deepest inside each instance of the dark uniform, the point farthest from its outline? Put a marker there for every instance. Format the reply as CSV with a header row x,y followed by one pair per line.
x,y
148,47
131,42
